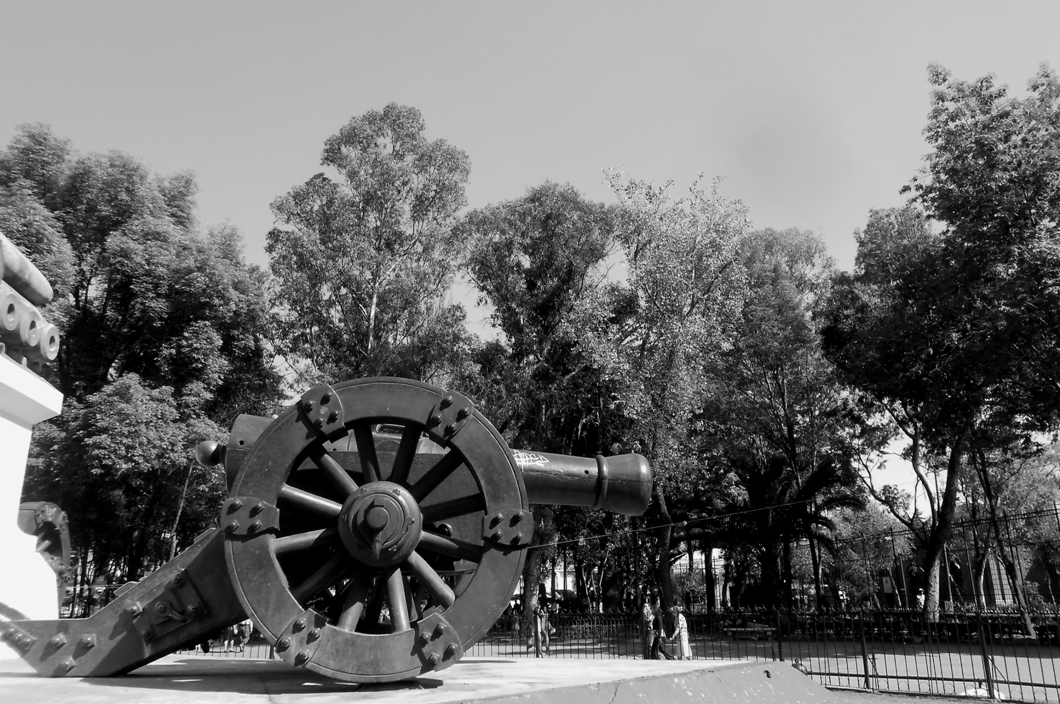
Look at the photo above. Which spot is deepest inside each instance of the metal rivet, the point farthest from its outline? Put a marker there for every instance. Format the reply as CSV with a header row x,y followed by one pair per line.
x,y
439,630
133,610
497,535
319,422
283,644
495,521
302,657
325,399
307,405
447,401
450,429
178,579
334,416
235,505
161,608
194,609
257,508
519,515
433,659
232,527
57,641
255,527
69,664
299,624
450,650
436,419
313,635
463,413
424,639
146,633
88,640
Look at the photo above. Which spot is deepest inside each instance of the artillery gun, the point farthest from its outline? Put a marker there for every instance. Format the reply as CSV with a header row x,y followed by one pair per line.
x,y
360,555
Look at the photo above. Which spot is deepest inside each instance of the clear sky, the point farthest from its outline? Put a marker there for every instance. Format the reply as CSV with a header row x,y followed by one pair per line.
x,y
811,111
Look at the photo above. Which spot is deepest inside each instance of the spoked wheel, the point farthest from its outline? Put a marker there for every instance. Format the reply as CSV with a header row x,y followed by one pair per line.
x,y
375,566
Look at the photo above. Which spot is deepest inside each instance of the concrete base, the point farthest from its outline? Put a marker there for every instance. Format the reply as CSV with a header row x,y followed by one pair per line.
x,y
27,584
181,679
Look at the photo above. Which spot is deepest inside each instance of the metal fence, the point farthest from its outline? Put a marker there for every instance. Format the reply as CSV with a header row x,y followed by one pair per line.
x,y
971,654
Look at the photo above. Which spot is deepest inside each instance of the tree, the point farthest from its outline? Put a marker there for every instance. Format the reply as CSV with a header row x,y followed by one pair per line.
x,y
534,260
363,254
163,340
959,339
655,336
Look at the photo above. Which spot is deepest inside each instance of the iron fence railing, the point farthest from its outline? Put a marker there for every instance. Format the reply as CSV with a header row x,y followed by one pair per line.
x,y
969,653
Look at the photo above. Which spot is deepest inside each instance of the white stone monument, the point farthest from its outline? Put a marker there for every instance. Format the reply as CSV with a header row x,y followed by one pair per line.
x,y
27,583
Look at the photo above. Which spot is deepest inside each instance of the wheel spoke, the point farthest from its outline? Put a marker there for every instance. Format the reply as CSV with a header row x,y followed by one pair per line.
x,y
410,441
319,580
362,433
430,580
310,502
399,608
436,475
451,547
356,600
334,471
453,508
304,541
375,605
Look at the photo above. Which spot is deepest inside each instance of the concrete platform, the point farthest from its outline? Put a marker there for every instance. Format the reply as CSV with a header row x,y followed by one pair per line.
x,y
182,679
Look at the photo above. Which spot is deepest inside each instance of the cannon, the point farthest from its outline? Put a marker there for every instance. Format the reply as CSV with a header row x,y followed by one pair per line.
x,y
25,335
373,531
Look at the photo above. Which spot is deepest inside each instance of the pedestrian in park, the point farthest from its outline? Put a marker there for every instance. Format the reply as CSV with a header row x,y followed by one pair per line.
x,y
246,629
658,627
681,635
229,636
647,616
538,639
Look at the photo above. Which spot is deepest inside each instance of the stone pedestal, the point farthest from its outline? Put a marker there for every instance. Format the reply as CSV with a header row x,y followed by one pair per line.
x,y
27,584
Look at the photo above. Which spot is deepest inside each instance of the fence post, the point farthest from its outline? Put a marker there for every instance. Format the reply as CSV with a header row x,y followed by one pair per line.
x,y
864,650
987,670
780,642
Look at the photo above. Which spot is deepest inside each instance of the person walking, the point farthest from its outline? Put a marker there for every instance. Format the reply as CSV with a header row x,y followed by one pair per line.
x,y
659,630
647,616
681,635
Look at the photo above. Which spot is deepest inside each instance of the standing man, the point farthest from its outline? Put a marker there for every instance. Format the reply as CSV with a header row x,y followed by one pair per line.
x,y
681,635
647,616
658,632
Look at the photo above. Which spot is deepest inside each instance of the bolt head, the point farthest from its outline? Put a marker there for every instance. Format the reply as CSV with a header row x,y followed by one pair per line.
x,y
235,505
255,526
162,608
133,610
69,664
450,429
313,635
283,644
325,399
450,650
302,657
232,526
257,508
178,579
447,401
146,633
88,640
307,405
463,413
194,609
333,416
424,639
319,422
299,624
439,630
433,659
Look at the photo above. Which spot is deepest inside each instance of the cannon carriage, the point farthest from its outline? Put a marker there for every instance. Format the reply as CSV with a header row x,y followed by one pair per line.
x,y
373,532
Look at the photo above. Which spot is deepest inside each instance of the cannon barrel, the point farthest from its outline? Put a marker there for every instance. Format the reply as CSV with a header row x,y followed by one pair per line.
x,y
22,275
373,531
620,484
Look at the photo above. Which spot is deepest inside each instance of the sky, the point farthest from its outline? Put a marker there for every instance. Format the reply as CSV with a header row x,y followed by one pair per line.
x,y
811,112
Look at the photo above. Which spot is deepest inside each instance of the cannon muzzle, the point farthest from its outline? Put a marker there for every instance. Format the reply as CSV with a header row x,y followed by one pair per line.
x,y
620,484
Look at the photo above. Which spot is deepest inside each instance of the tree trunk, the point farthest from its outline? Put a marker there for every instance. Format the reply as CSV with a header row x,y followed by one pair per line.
x,y
941,529
662,564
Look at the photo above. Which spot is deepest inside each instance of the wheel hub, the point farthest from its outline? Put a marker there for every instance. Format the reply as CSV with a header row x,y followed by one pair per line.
x,y
380,524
